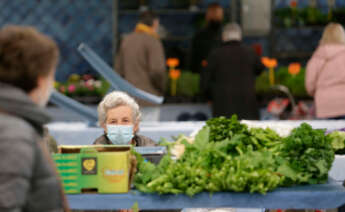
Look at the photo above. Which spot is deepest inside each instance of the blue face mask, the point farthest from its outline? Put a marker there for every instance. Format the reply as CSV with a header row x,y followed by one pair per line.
x,y
120,134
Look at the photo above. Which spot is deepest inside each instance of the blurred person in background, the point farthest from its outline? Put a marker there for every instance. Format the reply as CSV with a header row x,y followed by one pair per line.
x,y
28,61
208,38
325,76
229,79
119,116
141,59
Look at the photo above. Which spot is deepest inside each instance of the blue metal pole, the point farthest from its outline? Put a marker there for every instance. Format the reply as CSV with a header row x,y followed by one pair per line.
x,y
114,78
74,106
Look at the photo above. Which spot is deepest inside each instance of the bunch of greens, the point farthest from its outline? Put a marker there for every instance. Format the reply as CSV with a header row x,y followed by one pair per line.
x,y
227,156
338,141
309,156
222,128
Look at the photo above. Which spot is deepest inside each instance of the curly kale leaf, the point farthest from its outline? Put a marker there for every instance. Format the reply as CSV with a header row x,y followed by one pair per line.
x,y
309,153
338,141
222,128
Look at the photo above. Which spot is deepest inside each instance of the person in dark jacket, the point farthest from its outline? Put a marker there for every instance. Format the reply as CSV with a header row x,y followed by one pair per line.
x,y
229,80
28,179
208,38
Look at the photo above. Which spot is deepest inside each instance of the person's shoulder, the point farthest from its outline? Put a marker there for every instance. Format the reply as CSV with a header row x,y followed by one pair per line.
x,y
219,50
321,51
102,140
145,40
144,141
15,129
327,51
141,36
133,37
244,46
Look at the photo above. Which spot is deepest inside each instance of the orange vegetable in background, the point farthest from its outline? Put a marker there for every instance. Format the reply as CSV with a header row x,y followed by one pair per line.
x,y
293,3
268,62
173,62
294,68
265,61
174,74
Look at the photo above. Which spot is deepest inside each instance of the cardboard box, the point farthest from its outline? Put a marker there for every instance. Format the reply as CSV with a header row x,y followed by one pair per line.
x,y
94,169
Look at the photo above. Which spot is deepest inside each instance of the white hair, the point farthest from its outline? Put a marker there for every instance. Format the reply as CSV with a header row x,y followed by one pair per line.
x,y
232,32
115,99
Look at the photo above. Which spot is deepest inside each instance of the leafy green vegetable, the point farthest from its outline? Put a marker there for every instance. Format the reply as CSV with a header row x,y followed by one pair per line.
x,y
309,153
222,128
338,141
227,156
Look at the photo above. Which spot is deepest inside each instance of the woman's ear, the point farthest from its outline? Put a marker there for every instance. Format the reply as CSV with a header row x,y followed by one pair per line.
x,y
104,126
136,127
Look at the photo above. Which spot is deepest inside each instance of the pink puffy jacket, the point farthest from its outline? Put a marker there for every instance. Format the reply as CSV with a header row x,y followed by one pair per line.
x,y
325,80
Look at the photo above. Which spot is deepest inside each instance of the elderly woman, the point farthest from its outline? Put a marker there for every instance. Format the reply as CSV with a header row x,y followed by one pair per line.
x,y
119,116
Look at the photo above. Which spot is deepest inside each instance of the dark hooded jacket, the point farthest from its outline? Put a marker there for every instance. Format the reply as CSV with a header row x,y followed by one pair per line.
x,y
204,41
229,80
28,180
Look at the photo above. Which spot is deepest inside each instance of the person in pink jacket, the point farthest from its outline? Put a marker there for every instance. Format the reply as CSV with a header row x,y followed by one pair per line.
x,y
325,77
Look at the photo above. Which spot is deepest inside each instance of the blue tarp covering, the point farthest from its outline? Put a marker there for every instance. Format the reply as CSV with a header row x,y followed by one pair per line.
x,y
329,195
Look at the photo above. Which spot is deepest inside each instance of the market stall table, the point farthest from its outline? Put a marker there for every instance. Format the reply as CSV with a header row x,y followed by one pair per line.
x,y
78,133
329,195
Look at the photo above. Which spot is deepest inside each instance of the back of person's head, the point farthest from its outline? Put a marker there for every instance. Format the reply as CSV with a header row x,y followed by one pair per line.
x,y
25,55
214,13
148,18
232,32
333,34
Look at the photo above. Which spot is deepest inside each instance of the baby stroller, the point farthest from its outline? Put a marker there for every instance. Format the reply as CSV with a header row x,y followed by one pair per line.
x,y
286,108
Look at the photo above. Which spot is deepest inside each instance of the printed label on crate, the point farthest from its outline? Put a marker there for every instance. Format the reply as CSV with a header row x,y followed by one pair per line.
x,y
113,175
150,150
89,166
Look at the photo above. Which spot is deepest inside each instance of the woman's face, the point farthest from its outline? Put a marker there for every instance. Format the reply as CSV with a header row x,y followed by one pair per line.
x,y
121,115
